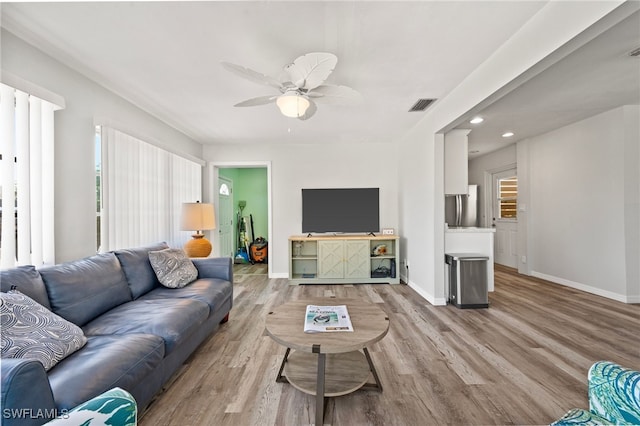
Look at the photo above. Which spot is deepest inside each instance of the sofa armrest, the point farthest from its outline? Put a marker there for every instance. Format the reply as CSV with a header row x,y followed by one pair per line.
x,y
26,395
614,393
215,267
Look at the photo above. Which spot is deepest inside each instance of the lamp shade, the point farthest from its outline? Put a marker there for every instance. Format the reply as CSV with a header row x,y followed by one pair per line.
x,y
292,105
198,217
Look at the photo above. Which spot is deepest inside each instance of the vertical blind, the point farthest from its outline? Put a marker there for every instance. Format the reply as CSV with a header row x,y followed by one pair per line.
x,y
143,188
26,179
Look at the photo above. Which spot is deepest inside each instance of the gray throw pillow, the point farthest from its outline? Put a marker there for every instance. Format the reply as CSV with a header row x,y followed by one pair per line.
x,y
173,268
31,331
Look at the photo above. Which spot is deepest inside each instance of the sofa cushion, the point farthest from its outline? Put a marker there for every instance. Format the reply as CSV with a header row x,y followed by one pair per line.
x,y
31,331
27,280
172,319
137,268
105,362
212,291
81,290
173,268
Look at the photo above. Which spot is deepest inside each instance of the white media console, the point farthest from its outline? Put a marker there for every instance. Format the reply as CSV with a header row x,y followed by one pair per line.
x,y
344,259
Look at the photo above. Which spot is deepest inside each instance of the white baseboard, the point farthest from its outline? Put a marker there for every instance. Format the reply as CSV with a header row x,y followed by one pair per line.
x,y
279,275
428,297
589,289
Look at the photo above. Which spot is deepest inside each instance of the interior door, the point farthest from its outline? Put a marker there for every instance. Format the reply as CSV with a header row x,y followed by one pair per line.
x,y
505,217
226,225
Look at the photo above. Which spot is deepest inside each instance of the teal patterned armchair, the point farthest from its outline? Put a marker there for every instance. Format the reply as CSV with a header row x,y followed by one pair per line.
x,y
614,398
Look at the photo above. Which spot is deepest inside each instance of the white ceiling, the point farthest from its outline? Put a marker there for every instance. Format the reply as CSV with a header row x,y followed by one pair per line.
x,y
597,77
165,57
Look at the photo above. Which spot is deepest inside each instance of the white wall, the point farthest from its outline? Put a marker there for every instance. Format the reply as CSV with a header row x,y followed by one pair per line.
x,y
632,200
583,216
87,104
296,166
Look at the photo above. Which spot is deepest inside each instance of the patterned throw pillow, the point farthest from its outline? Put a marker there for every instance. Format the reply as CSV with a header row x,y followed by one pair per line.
x,y
31,331
173,268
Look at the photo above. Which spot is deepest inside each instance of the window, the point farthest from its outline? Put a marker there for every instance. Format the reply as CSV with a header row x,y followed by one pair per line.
x,y
508,197
26,179
141,191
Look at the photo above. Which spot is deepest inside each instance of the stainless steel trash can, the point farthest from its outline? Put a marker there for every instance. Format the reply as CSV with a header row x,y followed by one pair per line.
x,y
467,280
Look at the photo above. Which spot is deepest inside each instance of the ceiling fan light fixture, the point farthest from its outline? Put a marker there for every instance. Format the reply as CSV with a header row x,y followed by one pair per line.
x,y
292,104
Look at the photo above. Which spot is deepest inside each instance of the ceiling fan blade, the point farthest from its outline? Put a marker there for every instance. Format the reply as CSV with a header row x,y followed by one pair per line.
x,y
261,100
337,95
310,111
311,70
251,75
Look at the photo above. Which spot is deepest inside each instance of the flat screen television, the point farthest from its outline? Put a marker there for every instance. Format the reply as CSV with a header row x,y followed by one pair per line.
x,y
341,210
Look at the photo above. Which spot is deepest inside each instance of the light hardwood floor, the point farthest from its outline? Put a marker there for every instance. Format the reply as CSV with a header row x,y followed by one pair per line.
x,y
522,361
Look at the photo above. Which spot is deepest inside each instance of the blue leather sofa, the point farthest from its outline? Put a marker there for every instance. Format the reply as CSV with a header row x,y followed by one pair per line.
x,y
138,332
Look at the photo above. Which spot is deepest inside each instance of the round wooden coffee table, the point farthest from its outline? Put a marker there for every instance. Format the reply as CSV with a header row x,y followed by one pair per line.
x,y
327,364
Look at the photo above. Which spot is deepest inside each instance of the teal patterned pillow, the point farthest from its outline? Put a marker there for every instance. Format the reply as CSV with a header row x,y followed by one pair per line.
x,y
173,268
114,407
31,331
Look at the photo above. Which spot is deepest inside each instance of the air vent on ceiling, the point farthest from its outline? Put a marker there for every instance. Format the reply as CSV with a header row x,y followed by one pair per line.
x,y
421,105
635,52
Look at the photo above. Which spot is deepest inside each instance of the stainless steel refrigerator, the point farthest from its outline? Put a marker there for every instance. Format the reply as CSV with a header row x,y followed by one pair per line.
x,y
462,210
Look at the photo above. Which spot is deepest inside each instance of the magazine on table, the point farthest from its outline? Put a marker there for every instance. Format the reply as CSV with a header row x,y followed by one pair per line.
x,y
321,319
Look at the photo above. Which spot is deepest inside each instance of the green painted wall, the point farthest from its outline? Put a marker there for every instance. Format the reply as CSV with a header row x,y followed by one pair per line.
x,y
250,185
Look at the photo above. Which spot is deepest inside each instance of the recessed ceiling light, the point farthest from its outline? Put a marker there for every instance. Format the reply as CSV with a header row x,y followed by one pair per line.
x,y
476,120
507,134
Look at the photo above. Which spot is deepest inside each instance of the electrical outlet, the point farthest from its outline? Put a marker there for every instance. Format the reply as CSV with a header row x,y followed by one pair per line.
x,y
524,259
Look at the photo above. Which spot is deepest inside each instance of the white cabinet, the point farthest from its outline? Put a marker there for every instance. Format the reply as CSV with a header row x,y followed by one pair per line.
x,y
456,158
344,259
331,259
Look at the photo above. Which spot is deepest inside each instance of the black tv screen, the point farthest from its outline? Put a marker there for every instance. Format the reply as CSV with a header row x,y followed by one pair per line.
x,y
341,210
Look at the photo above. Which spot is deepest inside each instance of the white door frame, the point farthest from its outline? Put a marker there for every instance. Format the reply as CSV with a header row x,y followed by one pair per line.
x,y
488,191
490,212
222,180
210,187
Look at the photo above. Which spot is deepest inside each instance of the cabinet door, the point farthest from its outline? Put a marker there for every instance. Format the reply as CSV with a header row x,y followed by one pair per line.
x,y
331,259
456,167
357,259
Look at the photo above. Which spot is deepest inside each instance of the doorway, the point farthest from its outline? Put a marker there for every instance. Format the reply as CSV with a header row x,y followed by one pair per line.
x,y
225,211
250,198
504,214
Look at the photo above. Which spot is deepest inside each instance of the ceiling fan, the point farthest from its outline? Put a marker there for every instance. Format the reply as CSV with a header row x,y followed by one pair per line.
x,y
300,86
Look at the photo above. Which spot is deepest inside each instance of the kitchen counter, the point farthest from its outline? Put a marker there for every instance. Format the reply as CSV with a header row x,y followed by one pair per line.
x,y
472,240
